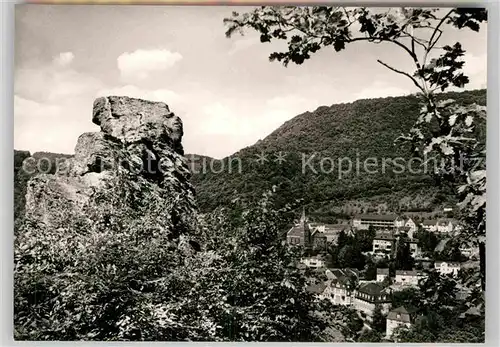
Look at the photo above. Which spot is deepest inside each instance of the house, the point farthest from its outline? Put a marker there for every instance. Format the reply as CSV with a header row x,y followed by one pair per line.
x,y
369,295
382,274
399,317
469,252
317,289
338,273
430,225
446,268
363,221
340,291
407,277
332,231
313,262
413,227
444,226
383,242
399,222
318,240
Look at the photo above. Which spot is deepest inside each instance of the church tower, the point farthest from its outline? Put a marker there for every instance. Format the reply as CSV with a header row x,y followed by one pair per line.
x,y
304,225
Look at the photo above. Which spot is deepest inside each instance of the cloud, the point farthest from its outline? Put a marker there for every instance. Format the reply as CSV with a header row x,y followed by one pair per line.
x,y
64,59
53,82
49,127
475,68
140,64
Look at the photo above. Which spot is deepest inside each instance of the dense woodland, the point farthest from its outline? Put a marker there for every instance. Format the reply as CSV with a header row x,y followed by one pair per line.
x,y
364,128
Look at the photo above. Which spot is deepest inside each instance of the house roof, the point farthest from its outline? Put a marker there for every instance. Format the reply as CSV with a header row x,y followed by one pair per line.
x,y
429,222
384,235
384,271
371,288
347,272
407,272
401,314
316,288
336,227
297,230
379,217
318,234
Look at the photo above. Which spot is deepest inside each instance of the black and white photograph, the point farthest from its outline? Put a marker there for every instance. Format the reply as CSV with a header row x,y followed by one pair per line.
x,y
250,173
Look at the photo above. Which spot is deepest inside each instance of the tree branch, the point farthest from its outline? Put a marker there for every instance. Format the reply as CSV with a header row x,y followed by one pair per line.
x,y
402,73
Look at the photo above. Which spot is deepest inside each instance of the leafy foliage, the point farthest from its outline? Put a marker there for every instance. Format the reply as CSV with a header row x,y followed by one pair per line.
x,y
126,277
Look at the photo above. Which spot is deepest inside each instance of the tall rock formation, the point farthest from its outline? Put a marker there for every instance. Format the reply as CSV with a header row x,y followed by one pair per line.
x,y
135,162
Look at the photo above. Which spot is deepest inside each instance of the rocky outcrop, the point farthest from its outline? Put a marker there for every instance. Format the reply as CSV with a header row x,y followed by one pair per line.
x,y
137,155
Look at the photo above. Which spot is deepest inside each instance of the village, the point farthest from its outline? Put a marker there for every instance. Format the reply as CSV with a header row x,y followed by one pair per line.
x,y
376,273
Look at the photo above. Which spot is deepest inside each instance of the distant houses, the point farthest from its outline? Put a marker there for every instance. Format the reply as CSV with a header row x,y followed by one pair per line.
x,y
314,235
442,226
446,268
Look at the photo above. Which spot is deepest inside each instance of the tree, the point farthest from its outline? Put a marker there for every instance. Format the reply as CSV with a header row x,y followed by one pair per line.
x,y
444,130
427,240
371,270
378,320
404,260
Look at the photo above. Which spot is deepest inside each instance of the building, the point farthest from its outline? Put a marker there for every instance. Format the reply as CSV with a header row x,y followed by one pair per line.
x,y
318,240
369,295
430,225
363,221
383,242
413,227
399,317
340,290
382,274
407,277
300,234
446,268
399,222
338,273
317,289
313,262
332,231
444,226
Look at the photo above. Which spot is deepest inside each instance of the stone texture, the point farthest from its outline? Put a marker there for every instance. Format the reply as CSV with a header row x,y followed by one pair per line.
x,y
139,140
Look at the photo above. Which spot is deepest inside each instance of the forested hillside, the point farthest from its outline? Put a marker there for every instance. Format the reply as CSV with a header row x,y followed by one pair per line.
x,y
361,129
341,133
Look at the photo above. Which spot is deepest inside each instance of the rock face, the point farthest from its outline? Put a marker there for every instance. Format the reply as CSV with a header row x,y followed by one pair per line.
x,y
138,153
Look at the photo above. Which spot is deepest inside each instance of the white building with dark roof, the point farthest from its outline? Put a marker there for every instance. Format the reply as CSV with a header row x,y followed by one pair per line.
x,y
363,221
382,274
398,318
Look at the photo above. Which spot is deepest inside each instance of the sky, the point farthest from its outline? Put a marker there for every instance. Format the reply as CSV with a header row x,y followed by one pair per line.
x,y
225,90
